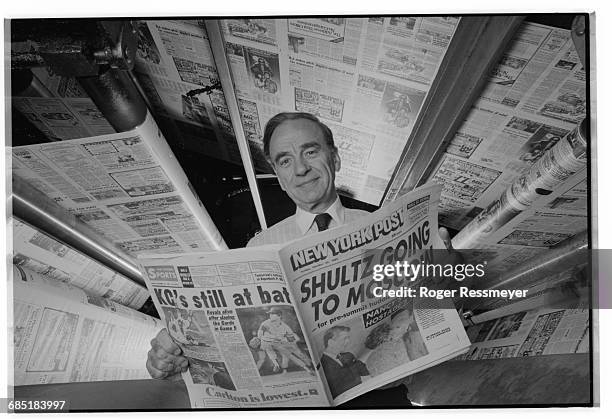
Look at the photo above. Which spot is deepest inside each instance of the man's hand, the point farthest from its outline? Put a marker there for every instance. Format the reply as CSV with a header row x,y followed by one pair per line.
x,y
454,257
164,360
445,236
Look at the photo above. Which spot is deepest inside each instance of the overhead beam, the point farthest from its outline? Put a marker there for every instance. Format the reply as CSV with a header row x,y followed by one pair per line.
x,y
217,46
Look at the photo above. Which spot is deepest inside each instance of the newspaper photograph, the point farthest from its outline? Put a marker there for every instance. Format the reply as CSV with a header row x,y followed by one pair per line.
x,y
258,30
263,69
303,320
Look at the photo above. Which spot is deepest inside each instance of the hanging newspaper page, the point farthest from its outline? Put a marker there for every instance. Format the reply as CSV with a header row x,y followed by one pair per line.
x,y
177,72
56,326
259,324
128,187
41,253
534,97
366,78
543,331
59,107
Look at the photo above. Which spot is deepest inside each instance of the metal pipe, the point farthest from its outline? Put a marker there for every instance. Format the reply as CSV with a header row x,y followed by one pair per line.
x,y
36,209
555,166
555,260
117,98
476,45
225,76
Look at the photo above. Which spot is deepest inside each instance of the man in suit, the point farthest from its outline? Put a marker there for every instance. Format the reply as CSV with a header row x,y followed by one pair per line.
x,y
302,153
342,369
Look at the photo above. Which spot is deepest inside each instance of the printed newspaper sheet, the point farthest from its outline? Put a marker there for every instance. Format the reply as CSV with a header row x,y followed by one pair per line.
x,y
366,78
61,334
556,166
58,106
534,98
300,325
543,331
41,253
176,69
126,186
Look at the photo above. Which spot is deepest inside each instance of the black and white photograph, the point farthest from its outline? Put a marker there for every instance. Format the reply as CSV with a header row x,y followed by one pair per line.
x,y
194,197
276,342
191,331
211,373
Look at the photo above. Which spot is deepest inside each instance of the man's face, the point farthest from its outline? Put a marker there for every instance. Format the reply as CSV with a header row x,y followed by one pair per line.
x,y
305,165
341,341
274,318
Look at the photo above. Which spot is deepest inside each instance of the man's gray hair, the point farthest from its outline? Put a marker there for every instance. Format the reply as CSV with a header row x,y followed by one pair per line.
x,y
278,119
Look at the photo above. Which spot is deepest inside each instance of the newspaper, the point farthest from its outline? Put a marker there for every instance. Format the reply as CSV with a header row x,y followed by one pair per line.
x,y
56,328
174,63
366,78
514,174
540,331
534,97
41,253
126,186
299,324
566,158
60,108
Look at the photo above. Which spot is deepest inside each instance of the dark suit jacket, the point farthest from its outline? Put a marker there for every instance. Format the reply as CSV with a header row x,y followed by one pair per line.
x,y
343,377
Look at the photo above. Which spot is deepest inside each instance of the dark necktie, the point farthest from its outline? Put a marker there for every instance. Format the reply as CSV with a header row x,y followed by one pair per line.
x,y
323,221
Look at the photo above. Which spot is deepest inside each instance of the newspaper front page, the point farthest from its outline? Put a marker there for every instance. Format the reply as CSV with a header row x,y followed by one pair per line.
x,y
258,325
62,335
382,338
